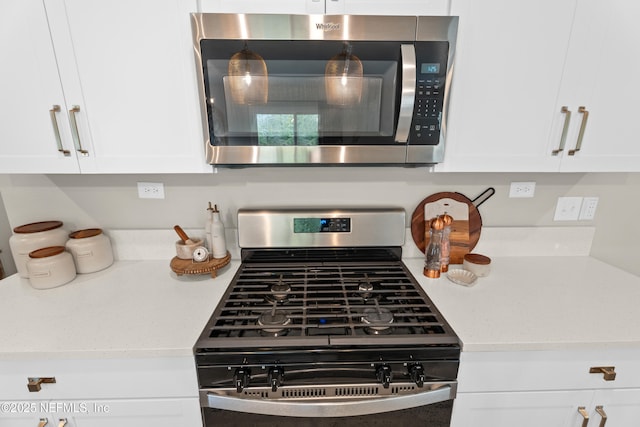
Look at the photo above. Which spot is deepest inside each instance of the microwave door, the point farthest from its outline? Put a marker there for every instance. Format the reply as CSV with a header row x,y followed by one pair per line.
x,y
408,92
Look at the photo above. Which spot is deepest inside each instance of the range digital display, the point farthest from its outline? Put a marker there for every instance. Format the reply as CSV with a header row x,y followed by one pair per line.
x,y
321,225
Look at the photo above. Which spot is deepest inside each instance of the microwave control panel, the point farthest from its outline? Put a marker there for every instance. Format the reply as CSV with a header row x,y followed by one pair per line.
x,y
431,69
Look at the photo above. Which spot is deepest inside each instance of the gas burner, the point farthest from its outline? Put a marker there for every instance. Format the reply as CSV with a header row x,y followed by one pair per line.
x,y
367,291
279,293
378,319
274,323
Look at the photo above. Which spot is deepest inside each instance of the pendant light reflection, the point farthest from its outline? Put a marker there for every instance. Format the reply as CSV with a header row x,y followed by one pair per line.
x,y
343,78
248,78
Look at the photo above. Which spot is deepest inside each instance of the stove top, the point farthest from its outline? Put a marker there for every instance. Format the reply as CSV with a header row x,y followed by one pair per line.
x,y
355,297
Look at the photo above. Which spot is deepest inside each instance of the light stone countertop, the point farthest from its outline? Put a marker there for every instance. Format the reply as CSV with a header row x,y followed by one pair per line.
x,y
135,309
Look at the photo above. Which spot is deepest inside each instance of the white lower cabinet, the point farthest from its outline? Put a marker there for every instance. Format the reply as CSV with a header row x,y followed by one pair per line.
x,y
549,389
156,392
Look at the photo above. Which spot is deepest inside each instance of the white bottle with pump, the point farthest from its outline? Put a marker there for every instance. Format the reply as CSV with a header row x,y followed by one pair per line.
x,y
215,233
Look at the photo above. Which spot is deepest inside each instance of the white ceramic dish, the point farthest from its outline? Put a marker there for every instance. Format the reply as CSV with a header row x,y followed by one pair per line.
x,y
462,277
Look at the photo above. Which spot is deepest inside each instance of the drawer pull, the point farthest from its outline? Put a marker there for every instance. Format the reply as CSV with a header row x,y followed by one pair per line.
x,y
585,415
608,371
62,422
34,384
74,130
600,410
43,422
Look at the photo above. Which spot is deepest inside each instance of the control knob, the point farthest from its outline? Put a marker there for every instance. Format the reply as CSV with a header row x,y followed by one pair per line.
x,y
416,372
275,377
384,375
241,378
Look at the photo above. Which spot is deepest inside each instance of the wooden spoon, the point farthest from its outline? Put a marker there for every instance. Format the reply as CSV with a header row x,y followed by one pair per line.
x,y
185,239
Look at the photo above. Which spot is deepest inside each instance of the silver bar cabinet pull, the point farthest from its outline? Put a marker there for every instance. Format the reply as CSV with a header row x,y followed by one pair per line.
x,y
600,411
74,130
565,128
56,130
583,126
585,415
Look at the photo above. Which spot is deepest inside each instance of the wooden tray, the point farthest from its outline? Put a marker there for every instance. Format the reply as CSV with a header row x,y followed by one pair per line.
x,y
187,266
462,240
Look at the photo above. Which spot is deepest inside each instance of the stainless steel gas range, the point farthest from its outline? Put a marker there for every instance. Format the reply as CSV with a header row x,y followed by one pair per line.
x,y
324,325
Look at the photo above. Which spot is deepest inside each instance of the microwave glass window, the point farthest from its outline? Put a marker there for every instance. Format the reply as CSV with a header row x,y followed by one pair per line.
x,y
299,109
287,129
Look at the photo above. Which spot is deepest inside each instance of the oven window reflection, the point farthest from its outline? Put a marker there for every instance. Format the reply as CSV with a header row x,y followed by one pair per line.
x,y
287,129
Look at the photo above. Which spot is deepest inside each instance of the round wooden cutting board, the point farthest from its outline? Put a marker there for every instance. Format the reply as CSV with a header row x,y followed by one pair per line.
x,y
458,249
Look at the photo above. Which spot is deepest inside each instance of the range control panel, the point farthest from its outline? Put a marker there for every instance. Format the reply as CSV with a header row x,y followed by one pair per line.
x,y
322,225
431,68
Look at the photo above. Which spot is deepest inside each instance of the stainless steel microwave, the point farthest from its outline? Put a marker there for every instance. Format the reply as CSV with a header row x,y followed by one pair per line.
x,y
324,89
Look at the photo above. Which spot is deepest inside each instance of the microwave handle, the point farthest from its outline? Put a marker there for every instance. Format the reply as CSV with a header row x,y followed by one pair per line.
x,y
408,94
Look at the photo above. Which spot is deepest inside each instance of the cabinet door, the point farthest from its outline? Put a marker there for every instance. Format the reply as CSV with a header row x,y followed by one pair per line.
x,y
386,7
522,409
253,6
29,89
601,74
142,413
620,406
129,67
508,70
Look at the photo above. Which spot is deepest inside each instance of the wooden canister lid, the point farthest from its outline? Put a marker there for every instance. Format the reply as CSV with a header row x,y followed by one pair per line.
x,y
477,259
83,234
46,252
36,227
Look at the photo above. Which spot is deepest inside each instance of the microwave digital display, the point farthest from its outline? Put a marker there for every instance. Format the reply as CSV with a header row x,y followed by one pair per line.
x,y
430,68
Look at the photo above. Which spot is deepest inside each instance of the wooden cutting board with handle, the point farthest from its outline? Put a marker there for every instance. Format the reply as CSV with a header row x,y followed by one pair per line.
x,y
465,230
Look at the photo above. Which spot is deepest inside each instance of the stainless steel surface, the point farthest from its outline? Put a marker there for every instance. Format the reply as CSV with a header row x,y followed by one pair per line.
x,y
408,96
56,130
331,400
259,228
326,27
583,127
563,138
304,27
74,130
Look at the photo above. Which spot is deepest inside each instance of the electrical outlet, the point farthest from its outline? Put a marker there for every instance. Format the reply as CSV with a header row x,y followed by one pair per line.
x,y
568,208
588,209
150,190
522,189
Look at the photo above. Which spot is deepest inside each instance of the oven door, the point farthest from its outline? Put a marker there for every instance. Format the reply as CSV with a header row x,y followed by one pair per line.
x,y
275,94
344,405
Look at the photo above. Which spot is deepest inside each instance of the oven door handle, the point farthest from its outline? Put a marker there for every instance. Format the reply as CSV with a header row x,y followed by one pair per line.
x,y
408,95
336,408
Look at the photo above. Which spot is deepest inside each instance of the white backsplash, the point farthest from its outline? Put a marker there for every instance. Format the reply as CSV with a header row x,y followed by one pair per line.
x,y
494,242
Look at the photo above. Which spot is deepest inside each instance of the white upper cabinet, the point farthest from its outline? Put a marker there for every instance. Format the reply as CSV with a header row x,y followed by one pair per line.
x,y
99,87
330,7
531,78
33,104
508,72
128,66
601,75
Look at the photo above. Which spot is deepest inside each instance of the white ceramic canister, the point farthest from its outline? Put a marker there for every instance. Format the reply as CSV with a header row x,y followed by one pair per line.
x,y
50,267
91,250
29,237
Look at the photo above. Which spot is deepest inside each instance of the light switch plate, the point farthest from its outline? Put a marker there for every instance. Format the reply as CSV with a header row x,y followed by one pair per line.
x,y
568,209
